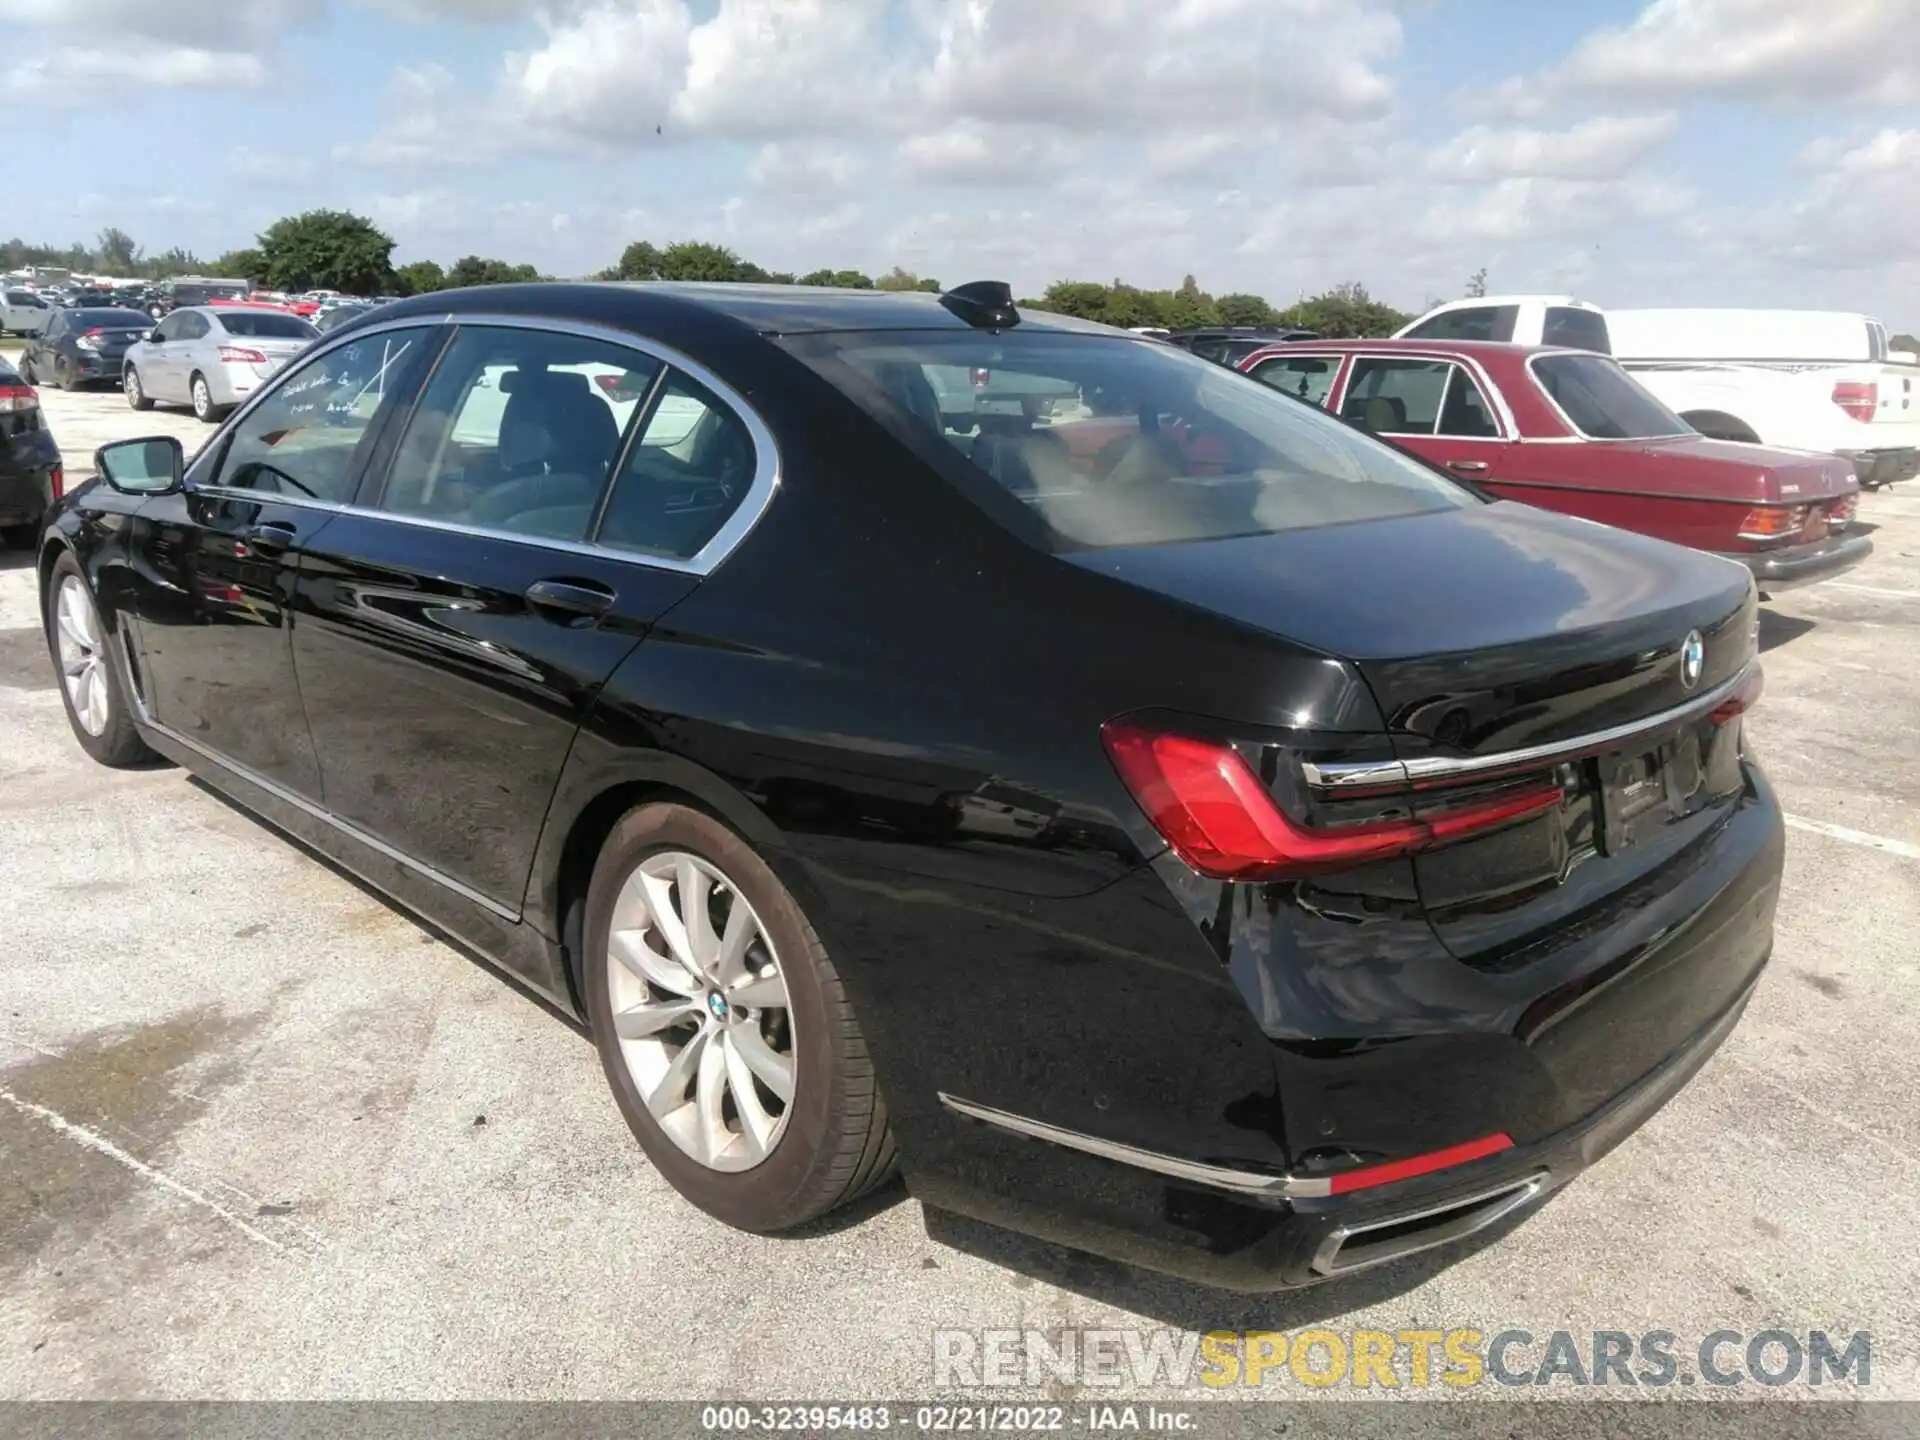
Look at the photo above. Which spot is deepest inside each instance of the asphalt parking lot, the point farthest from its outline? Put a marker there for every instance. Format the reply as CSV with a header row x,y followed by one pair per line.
x,y
262,1136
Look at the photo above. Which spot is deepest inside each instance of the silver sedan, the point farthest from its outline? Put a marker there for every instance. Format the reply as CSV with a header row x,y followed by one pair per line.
x,y
212,357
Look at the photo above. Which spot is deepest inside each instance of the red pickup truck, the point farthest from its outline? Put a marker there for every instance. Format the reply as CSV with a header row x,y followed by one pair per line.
x,y
1571,431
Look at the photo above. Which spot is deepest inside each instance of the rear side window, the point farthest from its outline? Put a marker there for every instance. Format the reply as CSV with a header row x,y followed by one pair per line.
x,y
193,326
1466,412
1473,322
517,431
1305,377
1396,397
683,480
1602,401
1576,330
1084,441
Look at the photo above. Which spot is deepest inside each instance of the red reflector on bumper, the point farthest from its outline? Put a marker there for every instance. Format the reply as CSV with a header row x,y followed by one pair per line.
x,y
1367,1176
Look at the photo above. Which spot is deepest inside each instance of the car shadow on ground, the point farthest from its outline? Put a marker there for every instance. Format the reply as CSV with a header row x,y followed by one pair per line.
x,y
1189,1305
12,559
1777,629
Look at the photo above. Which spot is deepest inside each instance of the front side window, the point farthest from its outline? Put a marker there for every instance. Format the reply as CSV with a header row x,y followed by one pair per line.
x,y
1465,412
1305,377
169,328
1470,322
690,471
1576,330
1396,397
305,439
193,326
517,431
1602,401
1084,441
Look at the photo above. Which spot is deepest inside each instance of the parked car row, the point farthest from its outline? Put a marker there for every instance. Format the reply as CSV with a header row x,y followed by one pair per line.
x,y
1345,855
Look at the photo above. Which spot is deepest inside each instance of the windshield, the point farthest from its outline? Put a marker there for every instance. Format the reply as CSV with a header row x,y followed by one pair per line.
x,y
265,325
110,320
1602,401
1108,441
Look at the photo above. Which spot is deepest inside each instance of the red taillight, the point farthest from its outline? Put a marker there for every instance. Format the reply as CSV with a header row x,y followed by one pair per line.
x,y
58,475
1743,699
242,354
1859,398
1774,522
980,376
1211,808
1367,1176
14,398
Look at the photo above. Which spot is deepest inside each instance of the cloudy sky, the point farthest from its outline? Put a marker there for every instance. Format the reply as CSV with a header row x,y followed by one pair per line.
x,y
1678,151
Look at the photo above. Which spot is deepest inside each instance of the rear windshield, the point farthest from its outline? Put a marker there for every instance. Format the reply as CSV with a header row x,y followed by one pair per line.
x,y
110,320
266,325
1088,442
1604,402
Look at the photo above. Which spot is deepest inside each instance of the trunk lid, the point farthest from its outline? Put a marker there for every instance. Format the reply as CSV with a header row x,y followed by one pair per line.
x,y
1503,628
1757,474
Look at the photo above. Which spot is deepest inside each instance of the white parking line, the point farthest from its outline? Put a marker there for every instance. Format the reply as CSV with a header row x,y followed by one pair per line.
x,y
1855,837
100,1144
1874,590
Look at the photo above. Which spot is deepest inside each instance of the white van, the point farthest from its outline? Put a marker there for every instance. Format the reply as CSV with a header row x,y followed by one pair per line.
x,y
1806,379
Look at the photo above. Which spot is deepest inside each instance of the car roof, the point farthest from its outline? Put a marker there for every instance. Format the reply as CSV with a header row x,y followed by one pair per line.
x,y
768,309
1477,349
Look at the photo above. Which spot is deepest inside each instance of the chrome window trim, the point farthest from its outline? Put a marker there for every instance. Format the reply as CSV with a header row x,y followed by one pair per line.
x,y
760,490
1574,431
1509,427
1438,767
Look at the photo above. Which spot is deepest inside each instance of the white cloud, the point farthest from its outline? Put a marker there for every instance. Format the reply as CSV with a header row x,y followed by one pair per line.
x,y
1832,52
426,120
607,74
1598,149
776,67
805,170
1191,64
971,153
54,76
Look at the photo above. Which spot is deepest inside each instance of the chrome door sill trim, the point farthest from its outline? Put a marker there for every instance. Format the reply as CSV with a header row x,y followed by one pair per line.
x,y
306,806
1244,1182
1439,767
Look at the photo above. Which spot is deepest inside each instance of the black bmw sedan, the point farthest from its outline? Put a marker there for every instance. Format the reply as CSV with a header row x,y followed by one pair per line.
x,y
908,732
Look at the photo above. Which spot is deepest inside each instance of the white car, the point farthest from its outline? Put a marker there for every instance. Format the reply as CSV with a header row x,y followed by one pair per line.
x,y
1804,379
23,313
211,357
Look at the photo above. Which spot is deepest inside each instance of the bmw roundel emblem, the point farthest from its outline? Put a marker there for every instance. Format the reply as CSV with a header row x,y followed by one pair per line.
x,y
717,1004
1693,659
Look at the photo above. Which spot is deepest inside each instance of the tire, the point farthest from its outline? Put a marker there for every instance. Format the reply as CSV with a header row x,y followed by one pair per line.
x,y
18,537
830,1142
137,396
97,707
26,370
1717,425
64,378
204,410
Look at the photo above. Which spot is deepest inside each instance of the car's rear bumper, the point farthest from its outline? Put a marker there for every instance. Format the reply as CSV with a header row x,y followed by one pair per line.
x,y
97,367
1532,1066
1804,564
1883,467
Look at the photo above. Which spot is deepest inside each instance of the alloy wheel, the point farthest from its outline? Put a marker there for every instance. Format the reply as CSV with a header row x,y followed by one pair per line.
x,y
133,387
202,399
700,1009
83,658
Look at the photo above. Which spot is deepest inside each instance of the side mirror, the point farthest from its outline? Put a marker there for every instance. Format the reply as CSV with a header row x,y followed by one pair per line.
x,y
142,467
154,337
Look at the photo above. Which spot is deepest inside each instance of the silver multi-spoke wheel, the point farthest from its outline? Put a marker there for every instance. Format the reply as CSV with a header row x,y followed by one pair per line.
x,y
83,657
700,1010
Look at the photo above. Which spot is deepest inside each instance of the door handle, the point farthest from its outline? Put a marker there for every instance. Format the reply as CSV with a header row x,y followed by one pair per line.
x,y
270,537
1467,467
570,601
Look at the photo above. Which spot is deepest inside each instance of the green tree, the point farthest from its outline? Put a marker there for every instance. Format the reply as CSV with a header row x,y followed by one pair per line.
x,y
639,261
420,277
898,279
327,248
1477,284
1242,309
1904,342
1192,306
248,264
698,260
1345,312
473,270
117,251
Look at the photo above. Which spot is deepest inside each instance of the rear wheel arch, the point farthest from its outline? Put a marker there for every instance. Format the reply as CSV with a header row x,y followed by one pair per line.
x,y
571,848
